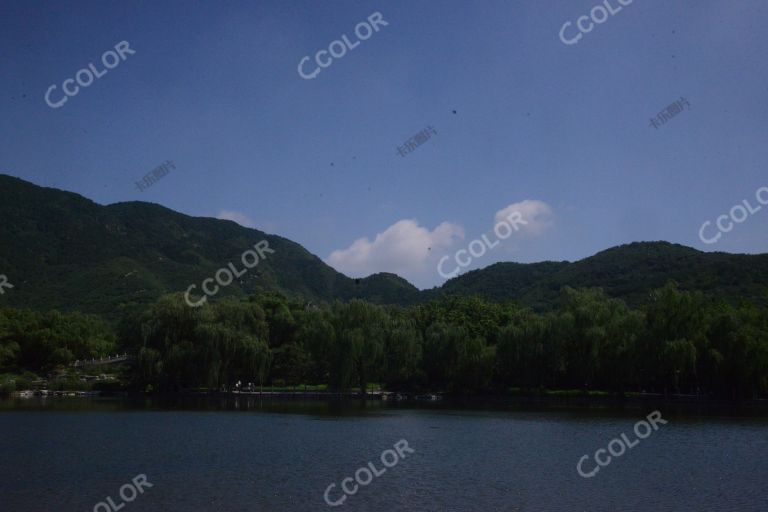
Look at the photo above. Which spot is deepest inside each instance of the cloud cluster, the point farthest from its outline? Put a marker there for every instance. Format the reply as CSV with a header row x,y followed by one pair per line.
x,y
402,248
537,215
411,251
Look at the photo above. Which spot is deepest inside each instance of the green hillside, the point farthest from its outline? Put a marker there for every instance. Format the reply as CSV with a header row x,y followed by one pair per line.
x,y
63,251
629,272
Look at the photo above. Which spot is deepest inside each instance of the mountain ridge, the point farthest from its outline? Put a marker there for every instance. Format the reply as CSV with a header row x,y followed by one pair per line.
x,y
65,251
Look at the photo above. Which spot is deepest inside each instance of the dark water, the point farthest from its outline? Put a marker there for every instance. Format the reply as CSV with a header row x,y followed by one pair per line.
x,y
70,454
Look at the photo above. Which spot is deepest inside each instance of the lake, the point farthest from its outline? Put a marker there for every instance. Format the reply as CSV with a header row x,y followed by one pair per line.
x,y
250,455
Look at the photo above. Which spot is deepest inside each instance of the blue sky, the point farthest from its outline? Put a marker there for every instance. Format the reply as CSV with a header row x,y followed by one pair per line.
x,y
214,87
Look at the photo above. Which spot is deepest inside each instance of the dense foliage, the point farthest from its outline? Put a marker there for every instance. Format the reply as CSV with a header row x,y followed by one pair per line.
x,y
42,341
678,342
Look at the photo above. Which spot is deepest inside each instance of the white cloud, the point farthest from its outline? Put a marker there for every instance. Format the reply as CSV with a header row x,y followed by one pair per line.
x,y
403,248
537,215
413,251
240,218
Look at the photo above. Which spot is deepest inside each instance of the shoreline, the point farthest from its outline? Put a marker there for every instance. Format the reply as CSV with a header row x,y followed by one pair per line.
x,y
552,398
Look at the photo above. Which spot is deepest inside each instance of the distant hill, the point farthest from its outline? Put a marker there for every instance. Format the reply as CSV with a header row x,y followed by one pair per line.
x,y
629,272
63,251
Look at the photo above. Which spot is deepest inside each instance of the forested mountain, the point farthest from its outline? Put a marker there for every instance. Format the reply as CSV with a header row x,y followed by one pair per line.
x,y
63,251
629,272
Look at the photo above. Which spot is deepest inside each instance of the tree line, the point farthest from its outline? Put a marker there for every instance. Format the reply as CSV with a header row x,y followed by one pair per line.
x,y
676,342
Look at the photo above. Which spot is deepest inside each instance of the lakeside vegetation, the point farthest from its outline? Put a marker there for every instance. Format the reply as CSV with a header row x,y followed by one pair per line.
x,y
92,280
676,342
